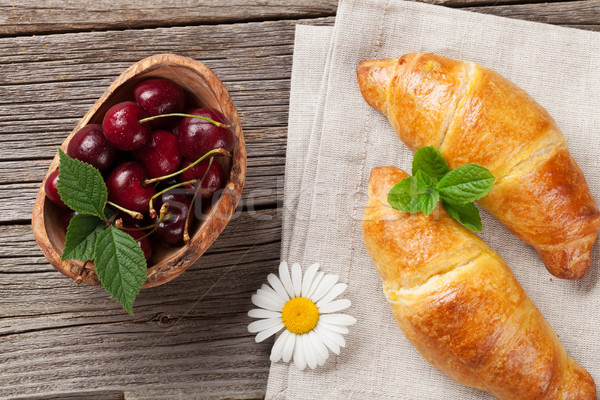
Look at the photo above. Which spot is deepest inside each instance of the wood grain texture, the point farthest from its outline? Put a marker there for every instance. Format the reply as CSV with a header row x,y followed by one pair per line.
x,y
83,394
36,17
575,13
189,331
31,16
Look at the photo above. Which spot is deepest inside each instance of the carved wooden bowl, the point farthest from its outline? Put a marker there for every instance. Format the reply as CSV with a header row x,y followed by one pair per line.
x,y
203,89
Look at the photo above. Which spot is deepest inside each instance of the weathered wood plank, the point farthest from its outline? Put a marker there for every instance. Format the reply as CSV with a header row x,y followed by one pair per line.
x,y
189,333
66,305
583,26
583,13
31,17
251,389
18,242
88,395
112,357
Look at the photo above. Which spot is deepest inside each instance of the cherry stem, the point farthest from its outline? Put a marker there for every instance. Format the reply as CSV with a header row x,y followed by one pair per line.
x,y
152,210
119,224
212,121
186,234
134,214
79,277
163,211
220,151
110,220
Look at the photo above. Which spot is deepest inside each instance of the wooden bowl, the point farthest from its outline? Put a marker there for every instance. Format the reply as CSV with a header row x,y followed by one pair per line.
x,y
203,89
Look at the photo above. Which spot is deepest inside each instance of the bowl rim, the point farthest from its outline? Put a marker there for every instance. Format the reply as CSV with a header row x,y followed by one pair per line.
x,y
221,212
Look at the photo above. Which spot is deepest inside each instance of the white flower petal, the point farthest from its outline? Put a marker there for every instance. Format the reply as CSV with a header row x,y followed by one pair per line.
x,y
288,348
297,279
299,358
335,306
309,275
335,328
319,347
338,319
324,335
268,332
263,324
278,286
277,350
315,283
337,338
286,280
262,313
265,302
311,355
272,297
324,287
267,289
338,289
321,360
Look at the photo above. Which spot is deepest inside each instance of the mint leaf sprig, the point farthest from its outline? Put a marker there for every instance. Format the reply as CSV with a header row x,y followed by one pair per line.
x,y
433,181
118,259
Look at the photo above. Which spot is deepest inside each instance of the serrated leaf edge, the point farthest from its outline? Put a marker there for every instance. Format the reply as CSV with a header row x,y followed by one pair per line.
x,y
103,195
127,305
64,253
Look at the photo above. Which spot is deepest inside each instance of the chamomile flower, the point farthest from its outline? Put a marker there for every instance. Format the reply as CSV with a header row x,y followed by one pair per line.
x,y
306,308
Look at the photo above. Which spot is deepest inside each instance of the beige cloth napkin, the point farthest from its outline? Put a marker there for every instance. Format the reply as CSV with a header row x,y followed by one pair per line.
x,y
559,67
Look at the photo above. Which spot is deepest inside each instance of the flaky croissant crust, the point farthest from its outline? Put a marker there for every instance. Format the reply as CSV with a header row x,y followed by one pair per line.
x,y
458,303
474,115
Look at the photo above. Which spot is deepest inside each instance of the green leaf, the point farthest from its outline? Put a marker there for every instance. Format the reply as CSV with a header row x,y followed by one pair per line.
x,y
424,180
81,237
465,184
120,265
429,160
414,194
81,186
467,214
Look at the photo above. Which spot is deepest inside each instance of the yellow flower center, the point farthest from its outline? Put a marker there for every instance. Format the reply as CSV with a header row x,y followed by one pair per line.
x,y
300,315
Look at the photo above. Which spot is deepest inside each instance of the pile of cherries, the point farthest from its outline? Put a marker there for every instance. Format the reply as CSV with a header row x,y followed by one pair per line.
x,y
153,160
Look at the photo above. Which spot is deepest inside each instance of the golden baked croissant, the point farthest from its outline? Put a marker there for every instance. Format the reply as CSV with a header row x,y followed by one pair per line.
x,y
459,304
474,115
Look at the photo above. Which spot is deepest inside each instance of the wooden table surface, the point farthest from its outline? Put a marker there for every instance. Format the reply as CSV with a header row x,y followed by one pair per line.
x,y
188,338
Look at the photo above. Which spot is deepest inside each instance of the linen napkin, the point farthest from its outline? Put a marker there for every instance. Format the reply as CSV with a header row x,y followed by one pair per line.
x,y
307,95
557,66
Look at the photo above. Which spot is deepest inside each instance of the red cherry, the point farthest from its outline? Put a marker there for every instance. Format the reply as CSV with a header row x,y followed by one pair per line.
x,y
129,222
171,228
161,155
144,243
122,128
52,191
67,217
213,181
126,189
197,136
89,145
160,96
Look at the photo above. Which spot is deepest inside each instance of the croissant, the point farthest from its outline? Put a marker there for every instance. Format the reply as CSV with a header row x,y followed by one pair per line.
x,y
474,115
459,304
